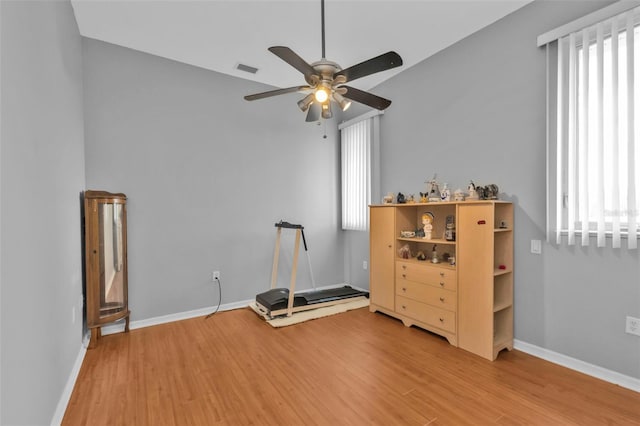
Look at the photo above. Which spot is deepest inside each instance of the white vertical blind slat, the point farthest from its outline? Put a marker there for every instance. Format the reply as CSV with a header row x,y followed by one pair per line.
x,y
560,105
600,136
615,195
631,189
572,195
583,144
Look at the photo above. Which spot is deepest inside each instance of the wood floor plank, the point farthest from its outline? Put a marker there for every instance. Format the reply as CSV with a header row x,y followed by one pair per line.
x,y
349,369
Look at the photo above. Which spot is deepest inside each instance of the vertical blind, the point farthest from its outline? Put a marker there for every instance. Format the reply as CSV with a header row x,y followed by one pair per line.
x,y
596,177
356,172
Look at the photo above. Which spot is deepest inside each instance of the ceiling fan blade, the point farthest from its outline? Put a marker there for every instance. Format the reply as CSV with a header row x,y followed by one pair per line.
x,y
366,98
276,92
292,58
383,62
314,112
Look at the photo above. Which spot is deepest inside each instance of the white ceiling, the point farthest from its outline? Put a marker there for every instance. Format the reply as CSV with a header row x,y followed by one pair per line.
x,y
218,35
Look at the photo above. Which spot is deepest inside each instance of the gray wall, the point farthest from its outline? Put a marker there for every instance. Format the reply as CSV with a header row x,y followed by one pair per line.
x,y
207,175
477,111
42,176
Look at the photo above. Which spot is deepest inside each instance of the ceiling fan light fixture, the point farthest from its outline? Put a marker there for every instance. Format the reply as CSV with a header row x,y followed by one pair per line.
x,y
304,103
321,94
344,103
326,110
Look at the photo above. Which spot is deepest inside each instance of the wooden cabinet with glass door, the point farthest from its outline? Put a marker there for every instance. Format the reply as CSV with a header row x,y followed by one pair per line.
x,y
105,244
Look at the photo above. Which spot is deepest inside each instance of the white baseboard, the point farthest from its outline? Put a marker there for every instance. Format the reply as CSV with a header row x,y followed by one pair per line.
x,y
577,365
119,326
68,389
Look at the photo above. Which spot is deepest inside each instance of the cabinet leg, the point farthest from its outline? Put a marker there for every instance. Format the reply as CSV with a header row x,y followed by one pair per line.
x,y
95,335
126,324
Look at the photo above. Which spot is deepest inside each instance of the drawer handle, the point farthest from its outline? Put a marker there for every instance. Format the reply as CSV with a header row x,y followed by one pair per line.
x,y
482,222
404,307
441,319
389,246
442,274
404,289
404,275
442,283
442,299
404,266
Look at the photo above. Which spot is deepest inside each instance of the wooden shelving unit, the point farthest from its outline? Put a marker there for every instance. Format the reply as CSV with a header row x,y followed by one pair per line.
x,y
470,302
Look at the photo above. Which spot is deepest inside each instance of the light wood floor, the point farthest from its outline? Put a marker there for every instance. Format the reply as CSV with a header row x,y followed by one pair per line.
x,y
349,369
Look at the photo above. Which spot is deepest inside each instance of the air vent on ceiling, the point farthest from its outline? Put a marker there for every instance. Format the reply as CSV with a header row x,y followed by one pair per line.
x,y
246,68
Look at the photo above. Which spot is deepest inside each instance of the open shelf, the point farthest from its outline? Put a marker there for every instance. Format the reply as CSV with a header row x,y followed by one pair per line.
x,y
428,262
424,241
502,292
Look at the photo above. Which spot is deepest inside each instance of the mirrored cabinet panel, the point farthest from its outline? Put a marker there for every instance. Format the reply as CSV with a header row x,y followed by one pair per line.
x,y
105,231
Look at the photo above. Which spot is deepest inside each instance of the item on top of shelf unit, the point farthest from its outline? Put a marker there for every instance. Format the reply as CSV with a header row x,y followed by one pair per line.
x,y
450,229
458,195
473,193
452,261
446,257
410,199
491,191
434,190
388,199
503,267
482,192
503,224
427,226
423,197
445,194
400,198
434,255
420,233
421,255
404,252
407,234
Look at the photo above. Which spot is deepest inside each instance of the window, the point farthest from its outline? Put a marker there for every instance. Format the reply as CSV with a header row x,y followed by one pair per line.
x,y
359,146
594,126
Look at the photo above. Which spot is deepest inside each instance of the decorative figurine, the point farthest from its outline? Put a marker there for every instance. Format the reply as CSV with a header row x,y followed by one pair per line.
x,y
458,195
388,199
492,191
404,252
434,255
400,198
423,197
445,194
427,220
434,190
410,199
482,192
421,255
450,229
473,194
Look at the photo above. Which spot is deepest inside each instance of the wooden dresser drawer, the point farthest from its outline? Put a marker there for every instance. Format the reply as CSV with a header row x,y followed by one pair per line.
x,y
431,315
434,296
426,274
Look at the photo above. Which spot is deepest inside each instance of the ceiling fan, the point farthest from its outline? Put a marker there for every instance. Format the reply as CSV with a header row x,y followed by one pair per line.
x,y
326,81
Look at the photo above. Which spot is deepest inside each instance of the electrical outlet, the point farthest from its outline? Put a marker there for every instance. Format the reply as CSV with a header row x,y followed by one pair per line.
x,y
215,275
633,326
365,265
